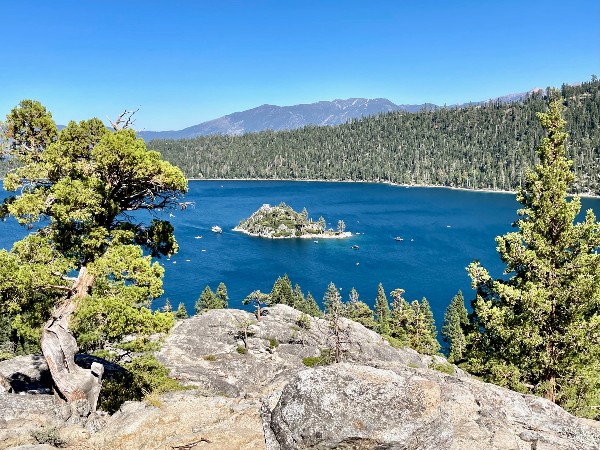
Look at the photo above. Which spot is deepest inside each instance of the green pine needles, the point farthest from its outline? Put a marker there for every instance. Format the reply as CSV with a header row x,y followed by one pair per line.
x,y
539,330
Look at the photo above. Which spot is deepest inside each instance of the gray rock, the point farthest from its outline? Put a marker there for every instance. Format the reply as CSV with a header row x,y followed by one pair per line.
x,y
360,407
202,350
27,373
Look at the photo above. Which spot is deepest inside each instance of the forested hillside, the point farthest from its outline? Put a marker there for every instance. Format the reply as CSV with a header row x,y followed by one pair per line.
x,y
487,146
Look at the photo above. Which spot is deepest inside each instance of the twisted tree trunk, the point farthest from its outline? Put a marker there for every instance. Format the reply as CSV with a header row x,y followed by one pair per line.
x,y
72,383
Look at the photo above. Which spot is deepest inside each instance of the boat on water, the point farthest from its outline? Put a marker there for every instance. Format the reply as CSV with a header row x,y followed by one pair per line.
x,y
216,229
355,247
197,237
398,238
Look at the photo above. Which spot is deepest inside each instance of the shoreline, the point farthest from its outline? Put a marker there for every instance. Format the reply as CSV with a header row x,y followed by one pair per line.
x,y
389,183
342,235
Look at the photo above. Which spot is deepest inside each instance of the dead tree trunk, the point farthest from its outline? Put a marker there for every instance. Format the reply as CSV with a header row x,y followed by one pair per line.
x,y
73,383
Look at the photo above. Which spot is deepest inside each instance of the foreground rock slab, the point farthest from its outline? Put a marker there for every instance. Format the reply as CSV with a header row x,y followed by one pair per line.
x,y
183,420
358,407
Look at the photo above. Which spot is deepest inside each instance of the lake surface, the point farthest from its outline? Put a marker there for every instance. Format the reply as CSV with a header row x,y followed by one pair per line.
x,y
443,230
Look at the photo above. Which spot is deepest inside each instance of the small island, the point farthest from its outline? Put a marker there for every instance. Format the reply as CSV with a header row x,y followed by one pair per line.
x,y
282,222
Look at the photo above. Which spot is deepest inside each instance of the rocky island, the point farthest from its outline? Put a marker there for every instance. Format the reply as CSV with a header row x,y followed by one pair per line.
x,y
282,222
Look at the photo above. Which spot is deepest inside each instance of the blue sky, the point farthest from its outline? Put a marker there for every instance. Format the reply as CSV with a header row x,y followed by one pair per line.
x,y
185,62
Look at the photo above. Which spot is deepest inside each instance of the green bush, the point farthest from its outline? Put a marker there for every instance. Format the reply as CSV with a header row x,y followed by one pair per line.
x,y
209,358
241,350
143,376
442,367
273,343
324,359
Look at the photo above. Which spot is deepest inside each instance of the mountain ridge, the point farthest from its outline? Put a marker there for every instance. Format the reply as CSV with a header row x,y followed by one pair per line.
x,y
278,118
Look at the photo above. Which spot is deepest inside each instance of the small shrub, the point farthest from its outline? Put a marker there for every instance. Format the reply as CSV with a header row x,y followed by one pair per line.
x,y
144,376
48,435
303,321
241,350
442,367
396,343
273,343
209,358
324,359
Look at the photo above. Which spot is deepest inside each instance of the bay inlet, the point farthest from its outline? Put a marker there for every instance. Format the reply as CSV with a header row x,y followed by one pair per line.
x,y
441,230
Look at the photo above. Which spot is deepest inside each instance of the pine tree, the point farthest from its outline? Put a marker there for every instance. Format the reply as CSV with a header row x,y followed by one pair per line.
x,y
382,311
538,331
181,312
207,300
258,299
312,307
400,317
455,319
167,307
358,311
282,291
424,338
222,298
332,300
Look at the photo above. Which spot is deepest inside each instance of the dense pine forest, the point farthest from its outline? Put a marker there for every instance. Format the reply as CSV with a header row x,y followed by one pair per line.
x,y
489,146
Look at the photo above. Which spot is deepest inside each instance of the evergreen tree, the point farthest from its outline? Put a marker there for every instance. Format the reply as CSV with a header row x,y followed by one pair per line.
x,y
181,312
207,300
312,307
222,298
382,311
353,296
341,226
538,331
299,298
456,319
282,291
358,311
424,332
400,317
167,307
258,299
322,223
332,300
84,185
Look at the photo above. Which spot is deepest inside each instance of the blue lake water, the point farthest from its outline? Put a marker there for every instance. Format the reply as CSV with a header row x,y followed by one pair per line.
x,y
443,230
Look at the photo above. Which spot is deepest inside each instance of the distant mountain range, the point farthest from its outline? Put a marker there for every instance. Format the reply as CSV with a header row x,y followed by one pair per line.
x,y
271,117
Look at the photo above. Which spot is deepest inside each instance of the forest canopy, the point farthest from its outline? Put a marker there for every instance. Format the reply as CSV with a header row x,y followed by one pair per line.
x,y
487,146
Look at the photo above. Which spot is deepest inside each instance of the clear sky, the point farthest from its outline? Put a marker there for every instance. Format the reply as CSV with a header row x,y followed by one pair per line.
x,y
185,62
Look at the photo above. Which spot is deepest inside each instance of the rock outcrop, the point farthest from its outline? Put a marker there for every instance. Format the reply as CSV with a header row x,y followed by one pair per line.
x,y
359,407
255,392
205,350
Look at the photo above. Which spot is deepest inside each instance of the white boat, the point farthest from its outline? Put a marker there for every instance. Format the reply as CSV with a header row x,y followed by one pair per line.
x,y
216,229
398,238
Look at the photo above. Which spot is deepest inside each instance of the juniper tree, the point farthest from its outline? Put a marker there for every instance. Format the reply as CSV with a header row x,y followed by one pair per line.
x,y
539,330
82,185
258,299
455,320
